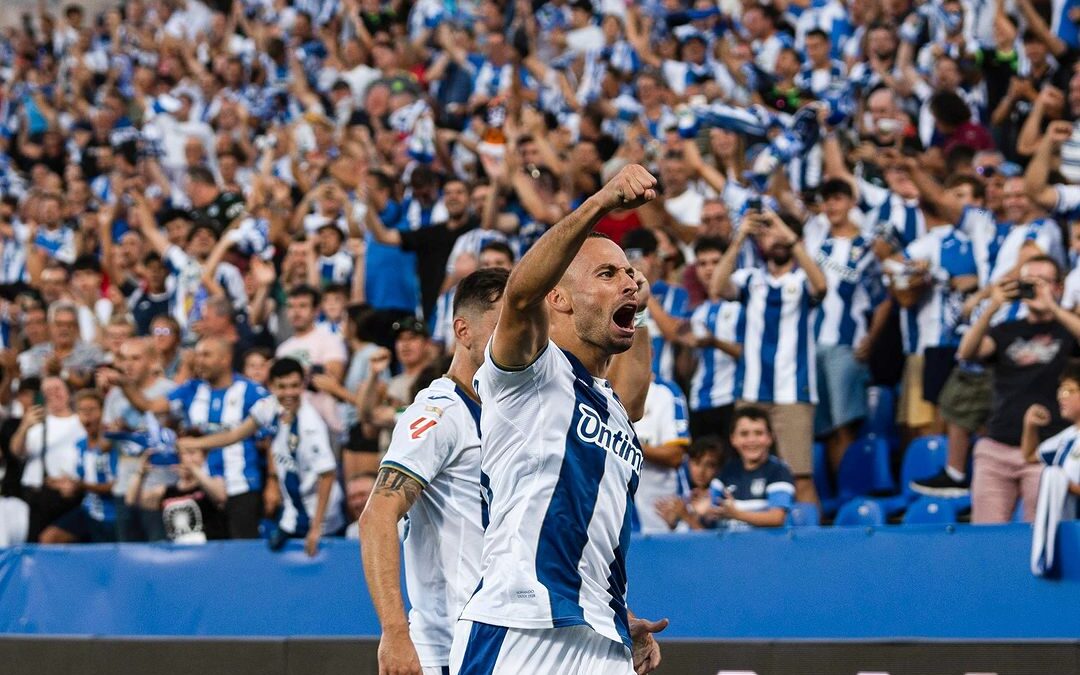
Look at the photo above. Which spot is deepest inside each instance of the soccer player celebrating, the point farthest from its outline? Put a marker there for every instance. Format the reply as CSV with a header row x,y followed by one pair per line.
x,y
560,461
432,472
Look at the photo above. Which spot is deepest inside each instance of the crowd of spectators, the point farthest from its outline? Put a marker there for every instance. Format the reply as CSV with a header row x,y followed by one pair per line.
x,y
243,221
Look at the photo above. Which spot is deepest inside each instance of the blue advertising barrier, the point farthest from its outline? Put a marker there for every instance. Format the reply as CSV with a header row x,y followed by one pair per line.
x,y
929,582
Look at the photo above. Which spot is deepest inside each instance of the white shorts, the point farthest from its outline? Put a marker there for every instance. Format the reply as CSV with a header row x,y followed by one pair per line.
x,y
436,670
482,649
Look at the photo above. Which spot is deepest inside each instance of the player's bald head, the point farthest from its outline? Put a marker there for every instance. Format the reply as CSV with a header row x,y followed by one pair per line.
x,y
597,250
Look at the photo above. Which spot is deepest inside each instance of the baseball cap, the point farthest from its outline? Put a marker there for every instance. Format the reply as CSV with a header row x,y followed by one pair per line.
x,y
411,325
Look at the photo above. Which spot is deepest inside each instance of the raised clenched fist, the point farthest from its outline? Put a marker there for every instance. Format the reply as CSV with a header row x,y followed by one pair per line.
x,y
629,189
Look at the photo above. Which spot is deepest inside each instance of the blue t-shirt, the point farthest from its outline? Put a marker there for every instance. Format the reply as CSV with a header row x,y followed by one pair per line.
x,y
769,486
390,279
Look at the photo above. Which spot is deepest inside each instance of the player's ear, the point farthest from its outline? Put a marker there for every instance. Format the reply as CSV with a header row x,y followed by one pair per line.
x,y
461,332
559,300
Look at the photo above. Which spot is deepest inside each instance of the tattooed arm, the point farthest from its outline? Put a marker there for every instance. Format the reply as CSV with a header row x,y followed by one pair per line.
x,y
393,495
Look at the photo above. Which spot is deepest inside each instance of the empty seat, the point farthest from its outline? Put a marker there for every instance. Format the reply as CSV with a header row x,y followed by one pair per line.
x,y
860,512
803,513
927,510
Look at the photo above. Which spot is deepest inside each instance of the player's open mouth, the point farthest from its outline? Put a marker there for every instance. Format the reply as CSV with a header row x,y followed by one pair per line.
x,y
624,317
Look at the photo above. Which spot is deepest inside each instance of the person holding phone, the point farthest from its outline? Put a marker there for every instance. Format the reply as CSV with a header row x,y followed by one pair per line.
x,y
1026,357
776,368
48,438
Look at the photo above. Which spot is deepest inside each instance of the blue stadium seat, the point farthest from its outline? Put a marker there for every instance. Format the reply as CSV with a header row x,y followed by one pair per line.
x,y
927,510
881,419
860,512
863,470
803,513
924,457
822,480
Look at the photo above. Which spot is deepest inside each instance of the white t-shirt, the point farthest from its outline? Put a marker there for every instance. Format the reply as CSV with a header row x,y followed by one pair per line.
x,y
686,208
61,458
664,422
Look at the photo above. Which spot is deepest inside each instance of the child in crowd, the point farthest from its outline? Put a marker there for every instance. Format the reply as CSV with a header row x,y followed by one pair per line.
x,y
1061,449
692,508
193,509
755,488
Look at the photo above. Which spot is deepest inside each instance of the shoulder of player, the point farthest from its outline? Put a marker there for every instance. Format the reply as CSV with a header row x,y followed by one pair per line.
x,y
438,401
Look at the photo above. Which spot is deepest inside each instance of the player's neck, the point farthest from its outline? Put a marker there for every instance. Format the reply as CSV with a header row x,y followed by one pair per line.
x,y
594,358
461,371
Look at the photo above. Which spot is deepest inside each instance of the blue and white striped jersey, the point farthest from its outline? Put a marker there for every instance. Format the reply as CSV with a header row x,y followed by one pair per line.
x,y
1041,232
818,80
986,235
302,454
933,322
853,275
58,244
665,422
888,214
97,467
831,17
13,255
336,268
713,383
185,281
212,410
562,463
778,362
437,442
1063,451
675,301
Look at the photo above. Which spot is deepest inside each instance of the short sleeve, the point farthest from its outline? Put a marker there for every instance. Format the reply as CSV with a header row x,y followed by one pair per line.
x,y
423,441
680,305
1068,200
253,394
498,381
740,279
674,427
180,398
176,258
265,412
871,196
780,490
918,249
974,220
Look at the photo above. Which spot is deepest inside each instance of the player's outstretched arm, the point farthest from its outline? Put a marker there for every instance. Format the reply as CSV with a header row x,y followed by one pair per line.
x,y
393,495
522,331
